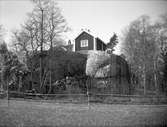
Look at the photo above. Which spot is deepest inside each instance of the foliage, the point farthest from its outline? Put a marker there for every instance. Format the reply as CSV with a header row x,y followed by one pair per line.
x,y
2,32
11,67
54,24
43,28
3,48
101,65
113,42
59,85
141,50
63,64
161,38
70,85
94,61
109,71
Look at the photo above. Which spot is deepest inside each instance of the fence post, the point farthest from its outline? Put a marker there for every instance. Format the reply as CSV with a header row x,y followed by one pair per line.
x,y
87,92
8,92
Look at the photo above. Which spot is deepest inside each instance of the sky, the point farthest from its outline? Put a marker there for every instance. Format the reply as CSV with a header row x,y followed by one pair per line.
x,y
103,17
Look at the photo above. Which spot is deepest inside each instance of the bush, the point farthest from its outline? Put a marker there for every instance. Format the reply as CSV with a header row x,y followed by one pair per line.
x,y
61,63
100,65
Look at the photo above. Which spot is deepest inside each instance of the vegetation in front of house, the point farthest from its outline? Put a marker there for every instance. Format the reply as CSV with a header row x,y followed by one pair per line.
x,y
109,72
144,45
38,62
64,64
12,71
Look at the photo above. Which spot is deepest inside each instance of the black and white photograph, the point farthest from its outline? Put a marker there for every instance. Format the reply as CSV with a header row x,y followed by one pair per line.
x,y
83,63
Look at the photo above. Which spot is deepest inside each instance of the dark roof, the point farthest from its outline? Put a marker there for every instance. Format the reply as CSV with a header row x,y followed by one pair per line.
x,y
100,40
90,35
83,33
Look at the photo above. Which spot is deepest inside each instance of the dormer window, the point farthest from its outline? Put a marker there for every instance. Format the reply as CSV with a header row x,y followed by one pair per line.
x,y
84,43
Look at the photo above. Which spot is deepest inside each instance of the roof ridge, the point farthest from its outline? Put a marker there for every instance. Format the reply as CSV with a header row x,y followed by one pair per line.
x,y
90,33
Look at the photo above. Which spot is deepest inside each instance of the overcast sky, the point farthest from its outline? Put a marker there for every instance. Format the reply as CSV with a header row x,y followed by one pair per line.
x,y
102,17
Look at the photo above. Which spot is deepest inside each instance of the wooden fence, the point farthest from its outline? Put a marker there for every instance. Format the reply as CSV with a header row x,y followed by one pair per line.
x,y
87,98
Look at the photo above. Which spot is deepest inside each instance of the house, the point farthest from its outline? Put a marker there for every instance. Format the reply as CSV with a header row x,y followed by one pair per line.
x,y
85,42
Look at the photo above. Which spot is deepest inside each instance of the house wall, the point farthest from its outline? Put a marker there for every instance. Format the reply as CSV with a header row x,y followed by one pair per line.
x,y
84,36
100,45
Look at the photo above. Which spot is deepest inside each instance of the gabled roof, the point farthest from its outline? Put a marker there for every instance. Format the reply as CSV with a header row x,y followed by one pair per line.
x,y
100,39
90,33
83,33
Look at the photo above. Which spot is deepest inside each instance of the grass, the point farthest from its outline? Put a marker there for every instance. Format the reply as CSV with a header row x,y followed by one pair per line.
x,y
42,114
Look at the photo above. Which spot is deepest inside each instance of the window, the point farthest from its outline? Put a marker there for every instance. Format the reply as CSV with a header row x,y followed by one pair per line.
x,y
84,43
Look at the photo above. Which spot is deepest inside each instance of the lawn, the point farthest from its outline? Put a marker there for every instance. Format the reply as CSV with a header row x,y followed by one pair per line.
x,y
43,114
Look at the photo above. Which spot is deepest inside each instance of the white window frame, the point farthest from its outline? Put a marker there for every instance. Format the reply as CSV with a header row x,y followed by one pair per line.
x,y
84,43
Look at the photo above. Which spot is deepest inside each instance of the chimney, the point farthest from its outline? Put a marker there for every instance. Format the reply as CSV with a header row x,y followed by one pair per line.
x,y
69,42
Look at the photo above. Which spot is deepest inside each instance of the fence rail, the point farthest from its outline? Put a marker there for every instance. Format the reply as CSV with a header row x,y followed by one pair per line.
x,y
89,98
86,94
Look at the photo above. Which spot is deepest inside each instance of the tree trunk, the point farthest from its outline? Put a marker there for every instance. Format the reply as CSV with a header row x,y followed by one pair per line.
x,y
32,82
50,65
1,87
41,54
50,86
7,84
144,79
20,83
155,78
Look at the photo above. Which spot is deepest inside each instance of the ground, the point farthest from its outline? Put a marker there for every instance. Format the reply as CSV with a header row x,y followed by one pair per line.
x,y
21,113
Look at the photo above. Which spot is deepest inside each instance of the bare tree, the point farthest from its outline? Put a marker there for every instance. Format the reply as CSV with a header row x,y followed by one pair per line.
x,y
161,38
43,30
140,48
